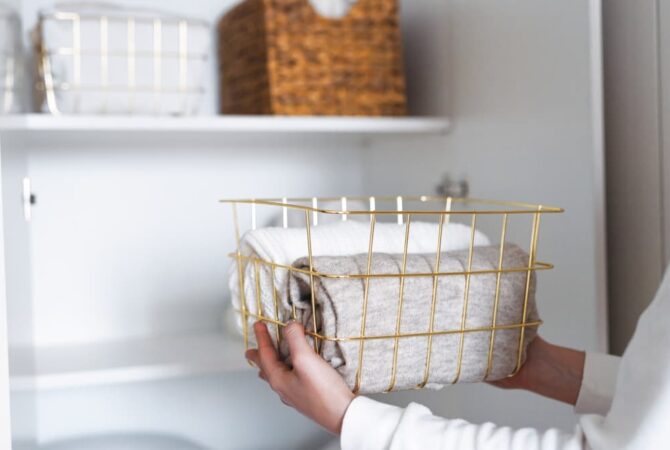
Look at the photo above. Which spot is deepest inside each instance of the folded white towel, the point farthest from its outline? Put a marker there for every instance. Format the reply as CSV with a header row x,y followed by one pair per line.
x,y
286,245
332,9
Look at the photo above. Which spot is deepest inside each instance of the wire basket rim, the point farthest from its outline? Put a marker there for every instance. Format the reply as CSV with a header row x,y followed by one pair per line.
x,y
290,202
120,16
324,337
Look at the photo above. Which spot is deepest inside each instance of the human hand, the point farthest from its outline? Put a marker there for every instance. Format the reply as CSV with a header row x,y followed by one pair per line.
x,y
524,378
312,386
552,371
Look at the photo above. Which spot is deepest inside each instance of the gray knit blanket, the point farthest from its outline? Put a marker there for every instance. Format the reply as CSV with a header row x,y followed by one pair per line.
x,y
339,314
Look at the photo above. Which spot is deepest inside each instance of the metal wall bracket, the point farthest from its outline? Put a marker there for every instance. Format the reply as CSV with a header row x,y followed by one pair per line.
x,y
450,187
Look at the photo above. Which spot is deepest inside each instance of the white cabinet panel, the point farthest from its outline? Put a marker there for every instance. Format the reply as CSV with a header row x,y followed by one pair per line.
x,y
5,423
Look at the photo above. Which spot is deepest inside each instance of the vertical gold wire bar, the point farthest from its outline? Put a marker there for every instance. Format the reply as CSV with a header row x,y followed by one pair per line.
x,y
253,215
294,313
436,269
158,63
465,299
130,44
401,297
49,84
76,58
276,304
44,70
259,306
366,290
494,319
531,264
311,278
240,277
104,59
183,61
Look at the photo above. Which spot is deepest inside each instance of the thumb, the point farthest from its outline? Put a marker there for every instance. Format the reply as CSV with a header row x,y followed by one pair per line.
x,y
295,337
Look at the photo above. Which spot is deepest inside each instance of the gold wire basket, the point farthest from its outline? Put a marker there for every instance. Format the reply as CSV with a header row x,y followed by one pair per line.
x,y
100,58
510,221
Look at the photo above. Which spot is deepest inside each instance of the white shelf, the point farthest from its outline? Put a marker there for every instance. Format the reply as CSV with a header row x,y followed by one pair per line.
x,y
44,368
227,124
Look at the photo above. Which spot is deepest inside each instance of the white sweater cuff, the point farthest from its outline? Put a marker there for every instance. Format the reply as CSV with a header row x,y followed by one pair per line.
x,y
365,415
598,384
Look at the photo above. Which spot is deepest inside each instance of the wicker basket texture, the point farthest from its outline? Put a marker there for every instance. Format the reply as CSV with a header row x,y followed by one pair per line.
x,y
281,57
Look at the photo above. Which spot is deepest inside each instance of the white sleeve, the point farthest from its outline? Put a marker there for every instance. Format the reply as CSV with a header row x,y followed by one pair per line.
x,y
371,425
598,383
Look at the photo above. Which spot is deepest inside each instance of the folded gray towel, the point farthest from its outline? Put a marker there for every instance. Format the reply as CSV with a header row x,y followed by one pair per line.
x,y
339,315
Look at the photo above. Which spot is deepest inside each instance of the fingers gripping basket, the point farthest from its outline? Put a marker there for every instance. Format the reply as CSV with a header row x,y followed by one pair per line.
x,y
409,309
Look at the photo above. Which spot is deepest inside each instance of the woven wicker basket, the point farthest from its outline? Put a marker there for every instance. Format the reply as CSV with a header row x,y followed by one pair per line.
x,y
282,57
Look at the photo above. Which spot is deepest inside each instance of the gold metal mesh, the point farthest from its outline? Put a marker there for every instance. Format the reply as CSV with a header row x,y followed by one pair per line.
x,y
47,86
403,210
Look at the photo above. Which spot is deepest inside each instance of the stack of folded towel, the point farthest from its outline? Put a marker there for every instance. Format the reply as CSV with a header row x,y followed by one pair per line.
x,y
286,245
341,249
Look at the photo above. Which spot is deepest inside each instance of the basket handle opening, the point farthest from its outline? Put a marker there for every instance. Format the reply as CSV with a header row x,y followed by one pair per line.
x,y
331,9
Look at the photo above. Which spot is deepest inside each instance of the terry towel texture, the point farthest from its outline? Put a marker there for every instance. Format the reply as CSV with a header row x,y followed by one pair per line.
x,y
339,314
286,245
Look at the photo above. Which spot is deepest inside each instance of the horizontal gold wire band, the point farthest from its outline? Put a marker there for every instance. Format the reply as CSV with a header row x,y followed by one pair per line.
x,y
538,266
70,88
528,207
68,16
68,51
533,324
